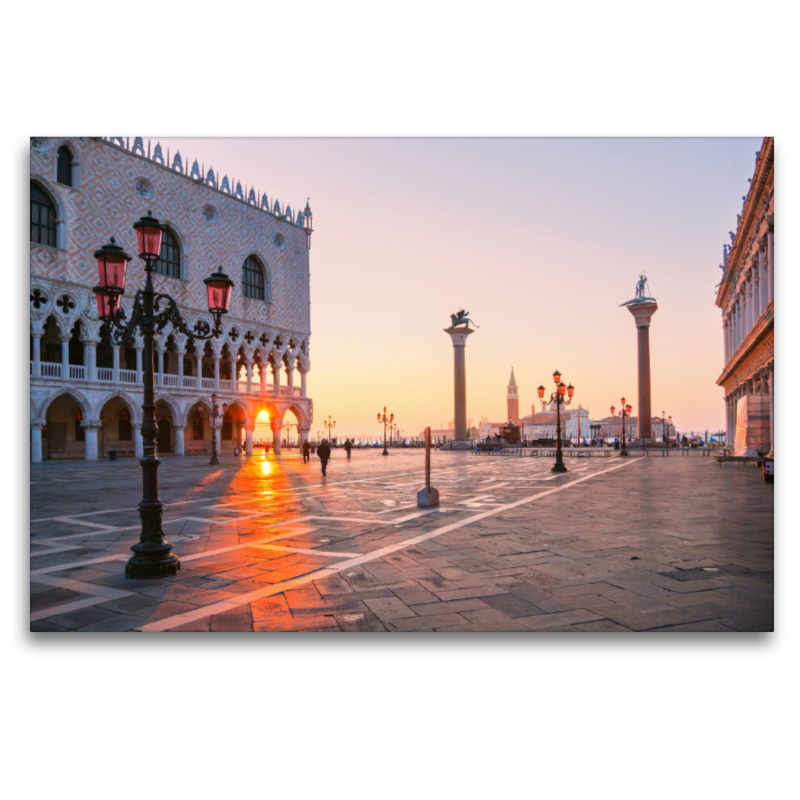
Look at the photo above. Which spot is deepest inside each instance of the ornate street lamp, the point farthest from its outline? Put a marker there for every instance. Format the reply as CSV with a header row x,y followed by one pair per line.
x,y
386,420
216,418
330,425
151,313
561,397
625,411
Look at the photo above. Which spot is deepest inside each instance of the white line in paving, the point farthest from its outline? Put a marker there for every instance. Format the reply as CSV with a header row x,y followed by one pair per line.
x,y
277,588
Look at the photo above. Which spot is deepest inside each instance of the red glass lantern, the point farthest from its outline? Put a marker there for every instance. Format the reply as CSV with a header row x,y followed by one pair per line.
x,y
379,417
629,409
148,234
570,390
112,264
613,410
541,392
557,376
219,287
623,401
213,398
224,408
391,417
561,389
106,305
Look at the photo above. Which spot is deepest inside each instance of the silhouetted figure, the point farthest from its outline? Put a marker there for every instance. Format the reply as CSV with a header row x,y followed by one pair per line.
x,y
306,452
324,453
348,446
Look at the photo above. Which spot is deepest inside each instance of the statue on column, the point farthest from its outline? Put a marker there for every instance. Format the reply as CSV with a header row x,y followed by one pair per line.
x,y
641,292
461,318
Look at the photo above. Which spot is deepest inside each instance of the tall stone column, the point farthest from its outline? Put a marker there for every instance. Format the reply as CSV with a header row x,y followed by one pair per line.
x,y
643,313
277,438
180,440
138,440
303,373
139,370
115,363
37,354
459,335
65,358
216,373
248,365
36,439
90,446
248,439
302,435
276,372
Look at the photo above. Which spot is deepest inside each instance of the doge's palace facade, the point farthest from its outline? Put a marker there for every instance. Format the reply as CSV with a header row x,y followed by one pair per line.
x,y
86,393
746,297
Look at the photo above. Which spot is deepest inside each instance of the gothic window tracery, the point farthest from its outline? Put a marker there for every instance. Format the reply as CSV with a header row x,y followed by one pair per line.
x,y
169,260
253,279
64,166
43,217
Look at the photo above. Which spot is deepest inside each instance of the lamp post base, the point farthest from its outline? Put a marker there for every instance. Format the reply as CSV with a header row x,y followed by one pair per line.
x,y
385,452
623,453
558,468
142,567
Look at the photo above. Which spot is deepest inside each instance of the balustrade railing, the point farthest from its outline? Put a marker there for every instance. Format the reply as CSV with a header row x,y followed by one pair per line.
x,y
127,376
297,391
207,383
104,374
241,386
169,380
189,382
50,370
77,372
284,391
225,386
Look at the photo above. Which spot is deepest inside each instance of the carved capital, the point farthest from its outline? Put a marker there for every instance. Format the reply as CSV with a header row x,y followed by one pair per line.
x,y
91,424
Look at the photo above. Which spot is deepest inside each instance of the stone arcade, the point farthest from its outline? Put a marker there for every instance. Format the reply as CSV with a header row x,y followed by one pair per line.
x,y
85,393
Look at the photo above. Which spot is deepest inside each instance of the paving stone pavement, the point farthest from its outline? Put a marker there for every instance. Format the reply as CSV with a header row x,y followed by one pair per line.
x,y
266,544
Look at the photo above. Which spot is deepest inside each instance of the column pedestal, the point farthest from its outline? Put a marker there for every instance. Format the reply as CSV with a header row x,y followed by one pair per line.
x,y
459,335
642,313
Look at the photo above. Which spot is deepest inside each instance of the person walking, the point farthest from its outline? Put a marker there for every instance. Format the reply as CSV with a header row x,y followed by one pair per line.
x,y
324,453
306,452
348,446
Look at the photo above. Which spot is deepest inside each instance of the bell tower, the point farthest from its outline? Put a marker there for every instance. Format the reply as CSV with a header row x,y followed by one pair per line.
x,y
513,399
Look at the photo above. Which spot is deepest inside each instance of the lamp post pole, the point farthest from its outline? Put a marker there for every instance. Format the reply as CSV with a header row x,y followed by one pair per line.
x,y
386,420
562,397
330,425
625,411
150,314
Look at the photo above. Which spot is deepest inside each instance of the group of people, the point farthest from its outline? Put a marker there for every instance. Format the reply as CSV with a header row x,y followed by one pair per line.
x,y
324,453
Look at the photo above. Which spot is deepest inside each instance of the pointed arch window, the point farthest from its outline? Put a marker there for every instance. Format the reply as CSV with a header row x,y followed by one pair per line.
x,y
43,217
169,260
64,166
253,279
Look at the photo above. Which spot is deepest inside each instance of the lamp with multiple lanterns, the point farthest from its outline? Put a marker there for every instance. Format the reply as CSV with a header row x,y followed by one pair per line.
x,y
625,411
150,314
561,397
666,422
330,425
387,421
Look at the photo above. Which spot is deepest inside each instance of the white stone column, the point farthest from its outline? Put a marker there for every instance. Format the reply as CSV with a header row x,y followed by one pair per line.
x,y
138,441
181,354
262,373
248,439
216,372
751,310
139,377
643,313
199,368
115,363
276,375
216,429
248,365
37,356
36,439
90,446
91,368
65,358
771,256
159,371
290,379
458,337
303,373
764,270
180,440
277,438
302,433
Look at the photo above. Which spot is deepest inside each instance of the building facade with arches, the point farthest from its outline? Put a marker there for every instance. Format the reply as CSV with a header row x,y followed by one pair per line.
x,y
86,392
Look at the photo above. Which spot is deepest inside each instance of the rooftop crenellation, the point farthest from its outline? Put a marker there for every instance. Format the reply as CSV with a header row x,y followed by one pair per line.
x,y
232,187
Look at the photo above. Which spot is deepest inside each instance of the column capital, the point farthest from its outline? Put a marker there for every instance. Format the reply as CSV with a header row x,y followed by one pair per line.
x,y
37,334
250,428
91,423
179,426
458,335
643,312
136,425
38,423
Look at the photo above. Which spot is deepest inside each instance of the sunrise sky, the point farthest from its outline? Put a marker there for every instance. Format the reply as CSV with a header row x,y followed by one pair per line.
x,y
539,239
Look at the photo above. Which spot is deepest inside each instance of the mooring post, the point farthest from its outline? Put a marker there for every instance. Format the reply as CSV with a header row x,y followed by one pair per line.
x,y
428,496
